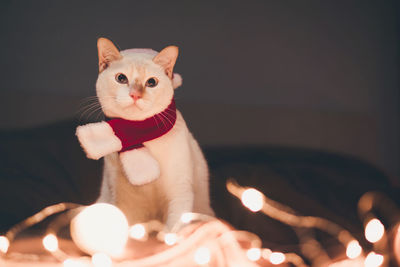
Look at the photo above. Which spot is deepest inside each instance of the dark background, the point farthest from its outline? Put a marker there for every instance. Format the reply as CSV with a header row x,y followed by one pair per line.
x,y
318,74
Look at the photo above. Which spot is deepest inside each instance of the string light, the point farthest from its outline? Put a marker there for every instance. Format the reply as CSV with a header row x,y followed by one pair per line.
x,y
101,260
285,214
50,242
353,249
254,254
373,260
170,239
100,228
210,231
252,199
277,258
202,255
4,244
374,230
137,231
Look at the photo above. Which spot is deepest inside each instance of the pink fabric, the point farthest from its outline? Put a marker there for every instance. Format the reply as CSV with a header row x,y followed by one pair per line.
x,y
133,133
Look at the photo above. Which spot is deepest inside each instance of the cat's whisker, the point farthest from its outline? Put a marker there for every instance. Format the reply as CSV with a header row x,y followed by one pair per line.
x,y
155,120
170,116
85,110
94,112
100,116
90,102
170,110
169,121
161,119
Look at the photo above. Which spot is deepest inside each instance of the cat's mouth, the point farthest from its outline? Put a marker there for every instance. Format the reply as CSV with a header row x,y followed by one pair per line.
x,y
137,104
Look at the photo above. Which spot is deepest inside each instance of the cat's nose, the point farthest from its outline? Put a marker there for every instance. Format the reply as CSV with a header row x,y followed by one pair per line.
x,y
135,95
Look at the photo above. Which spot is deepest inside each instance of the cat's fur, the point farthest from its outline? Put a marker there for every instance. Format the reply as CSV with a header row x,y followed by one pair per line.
x,y
173,162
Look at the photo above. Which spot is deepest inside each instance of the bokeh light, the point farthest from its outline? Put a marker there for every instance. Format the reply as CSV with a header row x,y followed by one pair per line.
x,y
170,239
252,199
374,230
100,228
4,244
353,249
137,231
50,242
202,256
277,258
373,260
254,254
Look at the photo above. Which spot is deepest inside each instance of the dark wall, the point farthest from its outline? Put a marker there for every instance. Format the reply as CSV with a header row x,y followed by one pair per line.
x,y
312,56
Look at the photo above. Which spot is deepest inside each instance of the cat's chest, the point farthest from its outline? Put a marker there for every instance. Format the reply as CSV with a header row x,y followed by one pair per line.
x,y
140,203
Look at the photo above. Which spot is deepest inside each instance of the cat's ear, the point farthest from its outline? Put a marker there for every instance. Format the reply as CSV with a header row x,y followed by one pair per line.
x,y
167,58
107,53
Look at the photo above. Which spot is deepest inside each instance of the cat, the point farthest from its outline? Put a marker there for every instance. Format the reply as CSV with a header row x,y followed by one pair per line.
x,y
161,178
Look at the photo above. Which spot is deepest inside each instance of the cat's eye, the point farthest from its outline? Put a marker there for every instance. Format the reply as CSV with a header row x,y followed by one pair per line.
x,y
121,78
151,82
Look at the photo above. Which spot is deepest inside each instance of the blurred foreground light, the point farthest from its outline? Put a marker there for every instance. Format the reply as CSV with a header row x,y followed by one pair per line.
x,y
374,230
254,254
170,239
252,199
353,249
277,258
73,263
202,256
373,260
4,244
137,231
101,260
50,242
100,228
187,217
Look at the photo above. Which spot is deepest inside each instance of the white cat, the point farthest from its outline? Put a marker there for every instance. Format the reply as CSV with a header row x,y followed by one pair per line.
x,y
161,178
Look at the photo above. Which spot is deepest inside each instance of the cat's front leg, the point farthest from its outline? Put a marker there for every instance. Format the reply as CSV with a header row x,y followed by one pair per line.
x,y
178,186
139,165
181,202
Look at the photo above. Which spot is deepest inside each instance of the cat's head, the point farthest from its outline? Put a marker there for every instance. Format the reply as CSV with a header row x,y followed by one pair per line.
x,y
135,84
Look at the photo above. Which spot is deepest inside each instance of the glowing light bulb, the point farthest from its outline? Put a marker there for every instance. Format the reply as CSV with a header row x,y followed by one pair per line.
x,y
254,254
170,239
73,263
374,230
277,258
101,260
137,231
202,256
50,242
353,249
100,228
373,260
252,199
187,217
4,244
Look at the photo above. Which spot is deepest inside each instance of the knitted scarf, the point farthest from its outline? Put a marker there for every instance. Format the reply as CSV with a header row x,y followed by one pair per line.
x,y
133,133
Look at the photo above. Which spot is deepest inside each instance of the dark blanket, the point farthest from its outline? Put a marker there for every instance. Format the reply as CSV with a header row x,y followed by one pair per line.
x,y
46,165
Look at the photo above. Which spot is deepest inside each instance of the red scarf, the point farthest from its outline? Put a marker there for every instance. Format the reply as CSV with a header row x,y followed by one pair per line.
x,y
133,133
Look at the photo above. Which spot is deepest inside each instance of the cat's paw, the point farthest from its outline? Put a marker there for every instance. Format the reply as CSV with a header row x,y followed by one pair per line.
x,y
97,139
139,166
